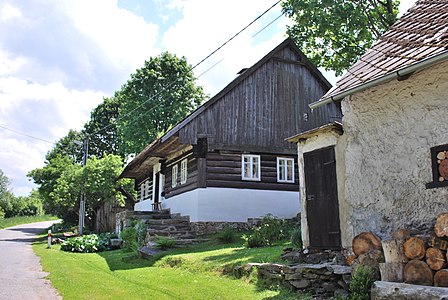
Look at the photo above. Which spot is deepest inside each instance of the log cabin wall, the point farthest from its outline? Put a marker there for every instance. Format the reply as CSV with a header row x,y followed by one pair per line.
x,y
192,175
224,170
269,105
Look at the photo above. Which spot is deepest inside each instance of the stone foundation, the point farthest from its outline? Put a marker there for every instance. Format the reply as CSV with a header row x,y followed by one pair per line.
x,y
204,228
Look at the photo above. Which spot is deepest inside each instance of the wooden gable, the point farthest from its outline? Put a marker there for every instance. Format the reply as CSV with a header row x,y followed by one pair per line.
x,y
263,106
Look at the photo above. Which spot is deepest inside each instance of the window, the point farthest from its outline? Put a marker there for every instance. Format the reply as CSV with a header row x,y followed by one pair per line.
x,y
250,169
439,161
142,191
285,169
183,171
174,176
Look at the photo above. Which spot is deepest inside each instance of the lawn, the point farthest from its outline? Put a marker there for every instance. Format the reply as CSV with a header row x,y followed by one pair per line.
x,y
186,273
9,222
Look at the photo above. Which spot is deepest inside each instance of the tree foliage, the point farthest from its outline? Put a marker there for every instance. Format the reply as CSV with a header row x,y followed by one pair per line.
x,y
157,96
102,129
61,181
335,33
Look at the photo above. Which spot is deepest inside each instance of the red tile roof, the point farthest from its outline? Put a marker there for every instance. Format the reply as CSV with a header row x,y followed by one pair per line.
x,y
420,33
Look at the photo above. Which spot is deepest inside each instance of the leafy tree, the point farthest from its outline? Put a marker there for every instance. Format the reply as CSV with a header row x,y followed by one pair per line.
x,y
61,180
156,97
68,146
335,33
102,129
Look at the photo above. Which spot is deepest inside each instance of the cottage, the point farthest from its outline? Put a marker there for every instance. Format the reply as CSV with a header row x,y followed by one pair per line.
x,y
384,167
228,160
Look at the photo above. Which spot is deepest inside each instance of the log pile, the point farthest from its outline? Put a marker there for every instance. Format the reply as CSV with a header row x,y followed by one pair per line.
x,y
412,258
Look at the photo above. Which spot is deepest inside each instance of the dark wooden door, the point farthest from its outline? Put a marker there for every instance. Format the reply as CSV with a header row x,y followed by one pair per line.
x,y
322,199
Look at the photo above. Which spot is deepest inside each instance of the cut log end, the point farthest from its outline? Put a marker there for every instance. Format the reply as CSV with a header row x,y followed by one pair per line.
x,y
414,248
418,272
441,278
364,242
441,226
435,259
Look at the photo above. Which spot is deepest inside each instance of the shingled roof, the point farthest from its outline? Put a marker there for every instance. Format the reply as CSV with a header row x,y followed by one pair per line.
x,y
420,34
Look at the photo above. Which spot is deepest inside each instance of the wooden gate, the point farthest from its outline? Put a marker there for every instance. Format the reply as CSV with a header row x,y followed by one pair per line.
x,y
322,199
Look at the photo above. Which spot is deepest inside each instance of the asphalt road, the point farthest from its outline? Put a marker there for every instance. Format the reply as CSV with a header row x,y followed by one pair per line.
x,y
21,275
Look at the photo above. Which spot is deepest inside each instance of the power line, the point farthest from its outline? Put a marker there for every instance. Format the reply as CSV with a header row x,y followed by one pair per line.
x,y
200,62
27,135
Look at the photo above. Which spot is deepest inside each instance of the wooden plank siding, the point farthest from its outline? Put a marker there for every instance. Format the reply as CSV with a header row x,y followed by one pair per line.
x,y
138,187
264,109
192,175
224,170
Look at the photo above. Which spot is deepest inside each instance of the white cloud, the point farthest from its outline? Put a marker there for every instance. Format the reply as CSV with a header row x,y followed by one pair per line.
x,y
126,39
9,12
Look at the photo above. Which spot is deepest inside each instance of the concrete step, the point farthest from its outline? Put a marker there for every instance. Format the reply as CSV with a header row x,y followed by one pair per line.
x,y
170,227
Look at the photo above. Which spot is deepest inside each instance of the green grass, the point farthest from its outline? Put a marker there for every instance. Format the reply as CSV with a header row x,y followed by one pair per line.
x,y
106,276
9,222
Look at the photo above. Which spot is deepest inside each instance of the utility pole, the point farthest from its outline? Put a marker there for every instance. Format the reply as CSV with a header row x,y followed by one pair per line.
x,y
82,201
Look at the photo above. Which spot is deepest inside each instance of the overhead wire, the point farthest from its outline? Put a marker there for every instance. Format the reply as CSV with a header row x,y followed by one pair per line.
x,y
172,82
196,65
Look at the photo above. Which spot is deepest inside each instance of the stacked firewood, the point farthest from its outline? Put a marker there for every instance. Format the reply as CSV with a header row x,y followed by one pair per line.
x,y
412,258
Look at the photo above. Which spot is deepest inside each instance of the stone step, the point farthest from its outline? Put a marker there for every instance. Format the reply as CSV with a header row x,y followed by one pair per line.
x,y
152,222
172,234
170,227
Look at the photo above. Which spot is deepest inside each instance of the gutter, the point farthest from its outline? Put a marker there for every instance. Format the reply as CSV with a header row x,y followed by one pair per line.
x,y
405,71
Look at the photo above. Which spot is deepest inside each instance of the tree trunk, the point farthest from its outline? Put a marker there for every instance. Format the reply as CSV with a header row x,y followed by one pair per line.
x,y
364,242
392,272
435,259
393,251
418,272
414,248
441,278
441,226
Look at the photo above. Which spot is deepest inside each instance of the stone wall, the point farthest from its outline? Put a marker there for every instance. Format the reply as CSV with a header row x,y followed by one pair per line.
x,y
203,228
389,131
323,281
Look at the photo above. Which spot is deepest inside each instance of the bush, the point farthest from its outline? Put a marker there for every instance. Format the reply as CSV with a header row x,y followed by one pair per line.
x,y
296,238
269,231
129,237
227,235
361,283
84,244
164,242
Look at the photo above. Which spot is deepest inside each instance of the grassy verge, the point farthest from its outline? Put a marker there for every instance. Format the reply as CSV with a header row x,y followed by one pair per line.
x,y
9,222
106,276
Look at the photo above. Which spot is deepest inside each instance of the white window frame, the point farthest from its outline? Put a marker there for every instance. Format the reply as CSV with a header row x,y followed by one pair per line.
x,y
183,171
174,172
282,169
252,160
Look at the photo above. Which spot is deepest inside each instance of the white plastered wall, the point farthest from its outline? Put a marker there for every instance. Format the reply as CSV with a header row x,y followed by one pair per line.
x,y
388,131
233,205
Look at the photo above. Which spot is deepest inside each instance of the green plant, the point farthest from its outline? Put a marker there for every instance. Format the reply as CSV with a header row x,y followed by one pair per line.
x,y
141,230
129,237
227,235
361,283
83,244
164,242
271,229
296,238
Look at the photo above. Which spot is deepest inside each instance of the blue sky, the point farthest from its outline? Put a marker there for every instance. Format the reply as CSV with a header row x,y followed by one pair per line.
x,y
58,59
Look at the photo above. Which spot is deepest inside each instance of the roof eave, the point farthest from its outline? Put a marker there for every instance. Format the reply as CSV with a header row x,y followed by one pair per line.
x,y
402,72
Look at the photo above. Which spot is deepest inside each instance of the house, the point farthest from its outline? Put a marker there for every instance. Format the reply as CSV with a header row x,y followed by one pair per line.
x,y
384,167
228,160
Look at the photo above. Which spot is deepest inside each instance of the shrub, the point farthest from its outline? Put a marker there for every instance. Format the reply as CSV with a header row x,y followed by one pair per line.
x,y
361,283
227,235
129,237
164,242
296,238
269,231
83,244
